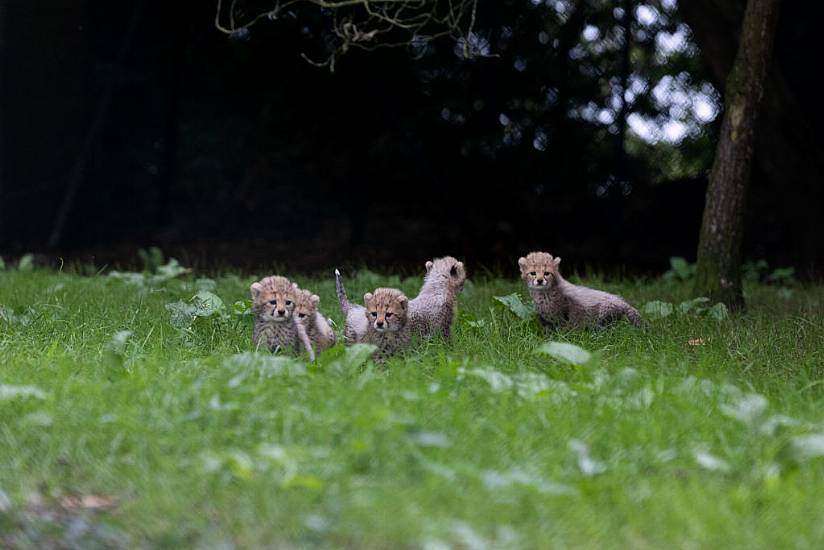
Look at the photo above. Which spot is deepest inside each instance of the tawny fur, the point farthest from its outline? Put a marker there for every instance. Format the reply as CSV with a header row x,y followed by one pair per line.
x,y
355,322
318,328
431,312
561,303
386,314
273,302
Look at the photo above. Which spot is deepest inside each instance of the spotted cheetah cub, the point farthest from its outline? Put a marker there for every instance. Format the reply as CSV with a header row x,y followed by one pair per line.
x,y
559,302
273,302
386,315
433,309
383,321
318,329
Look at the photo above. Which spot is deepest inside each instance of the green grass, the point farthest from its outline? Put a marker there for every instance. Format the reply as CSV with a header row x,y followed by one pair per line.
x,y
640,447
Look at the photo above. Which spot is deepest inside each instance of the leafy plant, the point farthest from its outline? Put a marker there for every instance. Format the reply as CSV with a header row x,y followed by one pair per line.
x,y
514,304
202,305
680,270
568,353
26,263
657,309
163,273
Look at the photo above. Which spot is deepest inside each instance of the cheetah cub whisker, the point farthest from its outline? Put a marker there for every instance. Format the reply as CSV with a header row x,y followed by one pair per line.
x,y
273,303
559,302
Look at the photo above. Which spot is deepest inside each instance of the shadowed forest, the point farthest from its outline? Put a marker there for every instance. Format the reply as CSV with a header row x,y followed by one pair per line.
x,y
126,125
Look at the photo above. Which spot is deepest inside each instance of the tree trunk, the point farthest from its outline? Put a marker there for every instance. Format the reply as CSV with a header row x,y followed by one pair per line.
x,y
718,273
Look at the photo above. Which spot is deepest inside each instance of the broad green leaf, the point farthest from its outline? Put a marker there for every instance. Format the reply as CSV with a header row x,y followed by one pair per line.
x,y
168,271
680,269
657,309
514,303
806,447
242,307
8,392
113,354
181,314
696,304
719,312
26,263
566,352
207,304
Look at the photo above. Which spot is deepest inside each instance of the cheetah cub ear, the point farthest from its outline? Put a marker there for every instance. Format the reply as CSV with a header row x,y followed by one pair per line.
x,y
367,297
522,263
315,299
557,261
404,302
429,266
256,289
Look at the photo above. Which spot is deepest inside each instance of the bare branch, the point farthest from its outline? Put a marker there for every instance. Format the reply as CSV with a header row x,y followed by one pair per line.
x,y
368,24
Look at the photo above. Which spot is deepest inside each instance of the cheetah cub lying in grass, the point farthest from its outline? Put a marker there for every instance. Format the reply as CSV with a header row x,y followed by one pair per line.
x,y
559,302
273,303
433,309
383,321
318,328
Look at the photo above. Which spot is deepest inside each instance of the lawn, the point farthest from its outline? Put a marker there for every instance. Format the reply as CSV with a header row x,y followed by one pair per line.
x,y
176,434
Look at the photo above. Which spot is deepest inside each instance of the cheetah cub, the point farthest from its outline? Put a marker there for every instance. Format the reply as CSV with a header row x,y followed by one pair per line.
x,y
318,329
273,303
433,309
559,302
386,315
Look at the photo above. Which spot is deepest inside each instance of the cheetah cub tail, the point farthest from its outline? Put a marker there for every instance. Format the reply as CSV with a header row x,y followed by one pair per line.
x,y
345,306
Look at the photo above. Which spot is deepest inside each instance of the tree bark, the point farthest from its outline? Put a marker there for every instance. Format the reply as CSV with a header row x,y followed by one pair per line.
x,y
718,274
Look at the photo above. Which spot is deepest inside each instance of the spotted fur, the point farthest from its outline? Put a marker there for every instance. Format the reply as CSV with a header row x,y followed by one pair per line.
x,y
273,303
386,314
318,329
559,302
431,312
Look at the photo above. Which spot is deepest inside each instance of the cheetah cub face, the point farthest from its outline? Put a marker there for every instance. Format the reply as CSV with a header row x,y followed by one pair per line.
x,y
386,309
539,270
306,304
273,299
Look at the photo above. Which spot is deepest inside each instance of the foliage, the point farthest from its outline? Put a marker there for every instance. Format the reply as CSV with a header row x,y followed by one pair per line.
x,y
516,305
680,270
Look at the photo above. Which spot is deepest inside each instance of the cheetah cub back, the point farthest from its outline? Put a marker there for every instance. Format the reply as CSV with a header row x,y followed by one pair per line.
x,y
559,302
431,312
273,304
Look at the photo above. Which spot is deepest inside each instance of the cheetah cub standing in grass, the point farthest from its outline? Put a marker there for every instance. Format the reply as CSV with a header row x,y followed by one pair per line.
x,y
273,303
386,313
318,329
383,321
559,302
433,309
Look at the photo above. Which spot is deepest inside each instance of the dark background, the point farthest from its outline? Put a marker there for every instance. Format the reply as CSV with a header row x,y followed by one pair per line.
x,y
236,152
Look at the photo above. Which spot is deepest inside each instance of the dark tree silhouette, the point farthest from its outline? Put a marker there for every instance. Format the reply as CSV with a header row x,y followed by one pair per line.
x,y
718,273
